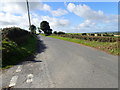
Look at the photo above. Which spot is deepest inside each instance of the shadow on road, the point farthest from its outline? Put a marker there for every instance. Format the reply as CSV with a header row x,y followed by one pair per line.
x,y
40,48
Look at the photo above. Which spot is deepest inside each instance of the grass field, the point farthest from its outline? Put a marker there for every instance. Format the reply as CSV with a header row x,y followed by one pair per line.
x,y
109,47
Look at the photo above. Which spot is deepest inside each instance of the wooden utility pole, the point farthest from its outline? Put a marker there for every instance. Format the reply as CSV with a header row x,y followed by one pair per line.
x,y
28,14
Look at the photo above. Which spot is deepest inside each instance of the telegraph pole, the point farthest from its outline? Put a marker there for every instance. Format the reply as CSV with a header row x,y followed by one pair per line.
x,y
28,14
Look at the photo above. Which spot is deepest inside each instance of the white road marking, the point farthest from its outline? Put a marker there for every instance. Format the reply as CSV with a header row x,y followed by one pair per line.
x,y
29,78
13,81
19,69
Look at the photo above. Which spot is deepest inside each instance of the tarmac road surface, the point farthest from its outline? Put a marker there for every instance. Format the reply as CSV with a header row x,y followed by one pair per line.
x,y
62,64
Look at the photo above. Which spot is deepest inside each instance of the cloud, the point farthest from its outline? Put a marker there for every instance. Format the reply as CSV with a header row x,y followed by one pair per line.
x,y
86,12
10,20
93,20
19,7
56,23
90,26
87,24
58,12
46,7
15,14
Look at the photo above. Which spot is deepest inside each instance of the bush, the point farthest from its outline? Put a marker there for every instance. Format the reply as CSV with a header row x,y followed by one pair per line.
x,y
15,34
9,49
16,45
59,33
84,34
55,32
92,34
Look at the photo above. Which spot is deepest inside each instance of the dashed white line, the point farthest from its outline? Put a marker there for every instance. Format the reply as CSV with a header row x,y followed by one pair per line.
x,y
13,81
19,69
29,78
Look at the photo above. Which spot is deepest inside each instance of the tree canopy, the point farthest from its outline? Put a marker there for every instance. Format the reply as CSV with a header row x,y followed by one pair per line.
x,y
33,29
44,26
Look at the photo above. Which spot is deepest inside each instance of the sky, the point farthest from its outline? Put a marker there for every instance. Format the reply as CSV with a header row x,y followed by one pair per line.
x,y
70,17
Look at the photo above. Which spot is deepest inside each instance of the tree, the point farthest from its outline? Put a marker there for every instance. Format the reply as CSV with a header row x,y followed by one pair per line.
x,y
44,26
39,30
84,34
60,32
33,29
55,32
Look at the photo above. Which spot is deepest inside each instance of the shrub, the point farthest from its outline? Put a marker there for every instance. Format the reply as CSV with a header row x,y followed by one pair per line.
x,y
55,32
92,34
9,49
84,34
15,34
60,32
12,50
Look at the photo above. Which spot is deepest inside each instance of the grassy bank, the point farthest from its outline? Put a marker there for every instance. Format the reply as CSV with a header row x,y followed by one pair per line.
x,y
17,53
109,47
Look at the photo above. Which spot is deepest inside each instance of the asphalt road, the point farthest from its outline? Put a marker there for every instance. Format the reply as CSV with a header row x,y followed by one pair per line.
x,y
62,64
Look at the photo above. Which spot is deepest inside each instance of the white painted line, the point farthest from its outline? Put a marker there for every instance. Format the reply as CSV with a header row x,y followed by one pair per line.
x,y
29,78
19,69
13,81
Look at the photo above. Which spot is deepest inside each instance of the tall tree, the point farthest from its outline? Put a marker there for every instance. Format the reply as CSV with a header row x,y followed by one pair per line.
x,y
33,29
44,26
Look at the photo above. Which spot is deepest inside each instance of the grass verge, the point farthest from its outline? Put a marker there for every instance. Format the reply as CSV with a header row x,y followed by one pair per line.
x,y
109,47
17,53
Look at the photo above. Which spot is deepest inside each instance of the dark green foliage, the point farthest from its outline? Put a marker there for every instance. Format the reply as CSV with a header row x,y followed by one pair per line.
x,y
9,49
99,34
44,26
108,34
55,32
84,34
15,34
33,29
16,45
60,33
92,34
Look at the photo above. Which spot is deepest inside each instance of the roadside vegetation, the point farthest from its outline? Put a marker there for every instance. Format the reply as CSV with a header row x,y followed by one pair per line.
x,y
17,44
109,44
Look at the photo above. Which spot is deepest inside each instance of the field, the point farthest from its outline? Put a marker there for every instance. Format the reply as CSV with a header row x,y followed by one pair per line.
x,y
111,47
